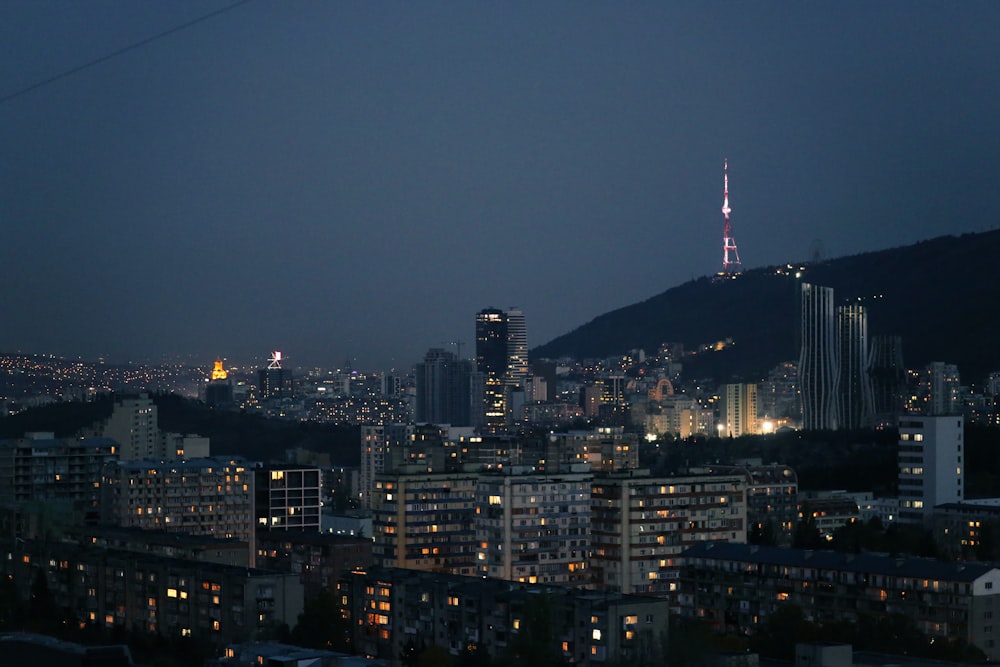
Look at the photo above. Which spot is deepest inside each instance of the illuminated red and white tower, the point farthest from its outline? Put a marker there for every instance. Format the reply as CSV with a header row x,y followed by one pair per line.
x,y
730,256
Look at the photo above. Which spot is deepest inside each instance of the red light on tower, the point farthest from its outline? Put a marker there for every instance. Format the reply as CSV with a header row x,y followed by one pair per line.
x,y
730,256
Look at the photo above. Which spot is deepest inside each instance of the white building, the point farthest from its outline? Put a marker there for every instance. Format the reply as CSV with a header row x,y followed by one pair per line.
x,y
134,424
737,410
534,528
931,464
641,524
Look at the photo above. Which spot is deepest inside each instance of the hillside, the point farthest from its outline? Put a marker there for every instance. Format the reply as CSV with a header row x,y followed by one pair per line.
x,y
941,296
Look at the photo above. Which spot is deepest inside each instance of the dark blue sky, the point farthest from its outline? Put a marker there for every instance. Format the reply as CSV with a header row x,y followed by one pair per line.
x,y
357,179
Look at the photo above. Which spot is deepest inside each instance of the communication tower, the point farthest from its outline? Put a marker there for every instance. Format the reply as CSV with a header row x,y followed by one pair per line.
x,y
730,256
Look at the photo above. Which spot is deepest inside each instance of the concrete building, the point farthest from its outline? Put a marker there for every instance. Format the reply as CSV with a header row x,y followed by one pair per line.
x,y
41,468
534,528
134,425
444,389
940,389
737,410
641,524
931,464
376,442
319,559
735,587
396,613
212,496
424,521
162,543
772,497
778,396
147,593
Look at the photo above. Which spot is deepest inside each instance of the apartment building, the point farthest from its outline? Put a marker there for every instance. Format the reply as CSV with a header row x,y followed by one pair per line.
x,y
210,496
735,587
114,588
424,521
641,524
319,559
534,527
396,613
42,468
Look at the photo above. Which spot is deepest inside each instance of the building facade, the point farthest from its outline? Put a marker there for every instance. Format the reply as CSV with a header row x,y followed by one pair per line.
x,y
425,521
931,464
396,614
41,468
534,528
855,401
211,496
287,497
818,370
641,524
116,589
444,389
736,587
738,410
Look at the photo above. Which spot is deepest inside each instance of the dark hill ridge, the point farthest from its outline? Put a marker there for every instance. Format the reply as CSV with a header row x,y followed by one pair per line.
x,y
942,296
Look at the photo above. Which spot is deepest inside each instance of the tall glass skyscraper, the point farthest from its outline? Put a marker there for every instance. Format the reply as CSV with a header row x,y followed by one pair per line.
x,y
502,359
856,404
818,368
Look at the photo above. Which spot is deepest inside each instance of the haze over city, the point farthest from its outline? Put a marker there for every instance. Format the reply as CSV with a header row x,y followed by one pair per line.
x,y
357,180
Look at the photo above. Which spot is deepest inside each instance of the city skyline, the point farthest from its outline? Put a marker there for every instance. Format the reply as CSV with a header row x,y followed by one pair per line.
x,y
355,182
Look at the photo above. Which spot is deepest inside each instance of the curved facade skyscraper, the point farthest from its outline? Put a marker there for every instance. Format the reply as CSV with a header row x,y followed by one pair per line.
x,y
818,368
856,404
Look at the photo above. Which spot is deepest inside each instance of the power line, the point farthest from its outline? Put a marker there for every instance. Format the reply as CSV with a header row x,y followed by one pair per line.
x,y
121,51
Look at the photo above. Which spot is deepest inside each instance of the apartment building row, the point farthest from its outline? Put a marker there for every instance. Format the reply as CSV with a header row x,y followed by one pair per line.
x,y
145,592
735,587
619,531
395,614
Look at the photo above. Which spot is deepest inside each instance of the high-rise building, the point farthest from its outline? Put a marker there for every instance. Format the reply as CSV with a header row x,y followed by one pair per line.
x,y
502,359
939,389
855,404
818,370
377,441
209,496
534,528
39,468
275,381
778,396
517,349
640,525
134,424
425,521
931,464
888,376
491,362
738,410
444,389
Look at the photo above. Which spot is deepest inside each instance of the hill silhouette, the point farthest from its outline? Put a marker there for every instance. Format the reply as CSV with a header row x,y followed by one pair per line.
x,y
941,296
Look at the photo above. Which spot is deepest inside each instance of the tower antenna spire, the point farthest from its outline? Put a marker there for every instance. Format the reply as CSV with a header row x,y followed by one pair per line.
x,y
730,255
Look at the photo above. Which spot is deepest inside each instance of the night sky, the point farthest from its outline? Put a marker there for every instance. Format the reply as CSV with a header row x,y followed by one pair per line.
x,y
354,180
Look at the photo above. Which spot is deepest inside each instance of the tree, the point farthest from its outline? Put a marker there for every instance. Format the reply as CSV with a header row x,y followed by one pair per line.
x,y
322,624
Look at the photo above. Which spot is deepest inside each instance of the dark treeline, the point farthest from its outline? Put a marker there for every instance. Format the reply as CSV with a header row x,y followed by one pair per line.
x,y
232,433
